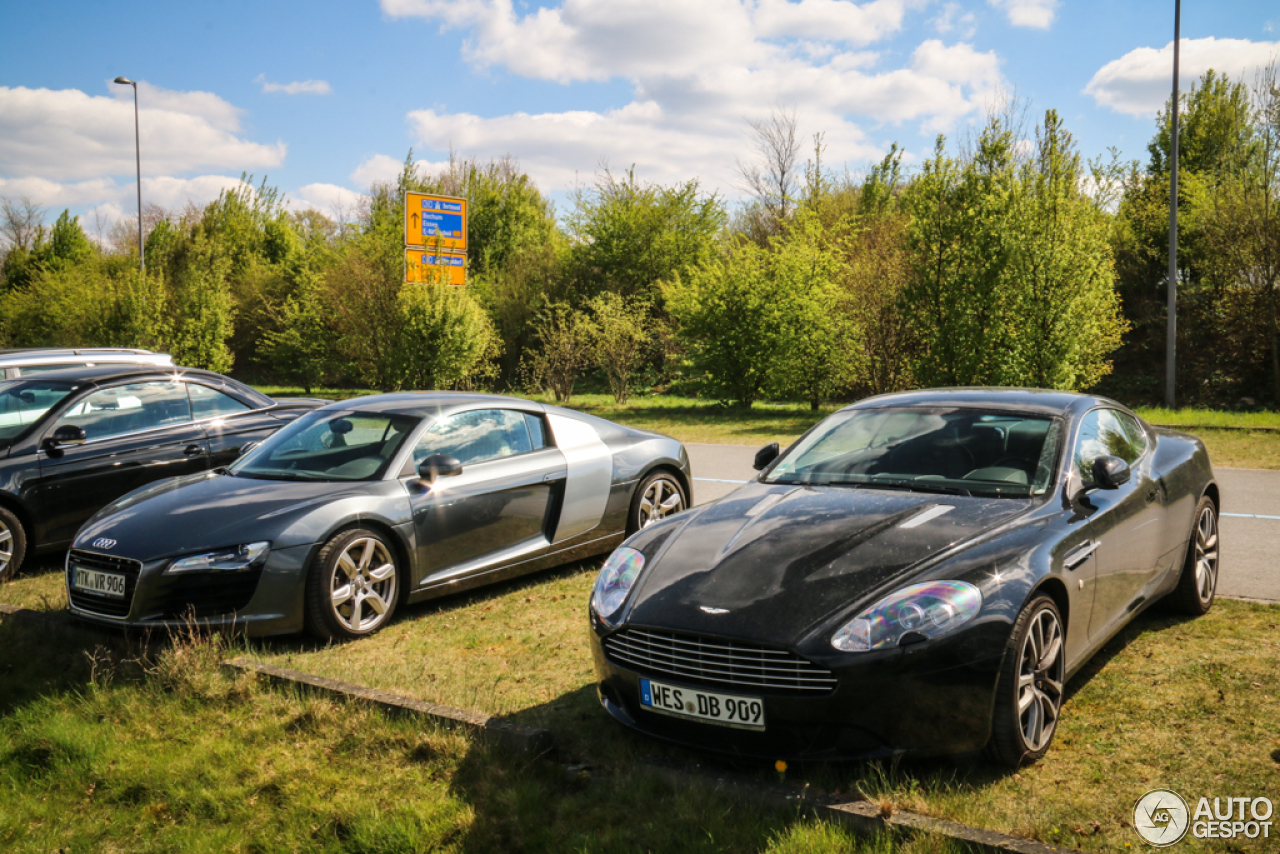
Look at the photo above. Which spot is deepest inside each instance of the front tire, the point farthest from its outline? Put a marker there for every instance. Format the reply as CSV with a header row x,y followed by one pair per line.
x,y
353,585
13,544
1198,583
1032,679
658,496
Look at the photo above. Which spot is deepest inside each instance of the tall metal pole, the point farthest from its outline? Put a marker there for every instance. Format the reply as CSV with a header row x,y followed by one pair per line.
x,y
137,148
1171,342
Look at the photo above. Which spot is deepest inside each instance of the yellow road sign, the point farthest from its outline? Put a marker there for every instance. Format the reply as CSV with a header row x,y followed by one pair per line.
x,y
431,266
437,222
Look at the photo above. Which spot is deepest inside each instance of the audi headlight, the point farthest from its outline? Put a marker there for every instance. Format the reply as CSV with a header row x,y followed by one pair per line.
x,y
228,559
614,581
930,609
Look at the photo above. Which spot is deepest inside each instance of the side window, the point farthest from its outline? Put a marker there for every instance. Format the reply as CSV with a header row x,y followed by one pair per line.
x,y
1104,432
129,409
537,431
208,403
476,436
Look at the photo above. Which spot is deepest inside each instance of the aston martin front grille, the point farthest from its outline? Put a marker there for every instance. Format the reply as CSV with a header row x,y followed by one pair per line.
x,y
717,662
107,606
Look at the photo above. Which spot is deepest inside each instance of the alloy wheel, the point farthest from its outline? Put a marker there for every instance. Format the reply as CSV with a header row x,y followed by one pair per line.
x,y
6,548
362,585
1041,673
1206,554
661,498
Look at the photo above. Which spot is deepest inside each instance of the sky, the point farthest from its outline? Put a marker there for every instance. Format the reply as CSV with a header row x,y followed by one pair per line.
x,y
325,98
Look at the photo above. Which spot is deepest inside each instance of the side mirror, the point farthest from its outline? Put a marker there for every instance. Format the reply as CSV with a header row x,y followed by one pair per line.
x,y
1110,472
766,455
247,447
64,437
439,465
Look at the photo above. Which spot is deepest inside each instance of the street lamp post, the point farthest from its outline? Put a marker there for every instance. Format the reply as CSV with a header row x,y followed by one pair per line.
x,y
137,148
1171,335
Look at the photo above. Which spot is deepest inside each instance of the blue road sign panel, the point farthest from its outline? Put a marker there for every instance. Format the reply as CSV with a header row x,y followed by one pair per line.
x,y
441,224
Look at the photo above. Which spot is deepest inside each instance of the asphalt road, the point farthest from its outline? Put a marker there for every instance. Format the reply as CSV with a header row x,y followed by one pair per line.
x,y
1250,567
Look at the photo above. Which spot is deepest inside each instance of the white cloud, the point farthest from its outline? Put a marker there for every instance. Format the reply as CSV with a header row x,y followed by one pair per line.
x,y
953,18
1140,82
67,135
298,87
110,197
380,168
1037,14
331,200
699,72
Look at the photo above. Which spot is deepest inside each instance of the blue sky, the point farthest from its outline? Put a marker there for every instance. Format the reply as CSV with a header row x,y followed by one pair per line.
x,y
326,97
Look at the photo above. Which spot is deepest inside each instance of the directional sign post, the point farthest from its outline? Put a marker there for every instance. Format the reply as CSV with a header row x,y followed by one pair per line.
x,y
435,237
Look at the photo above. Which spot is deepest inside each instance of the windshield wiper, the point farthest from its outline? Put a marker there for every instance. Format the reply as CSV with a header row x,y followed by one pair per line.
x,y
918,487
280,475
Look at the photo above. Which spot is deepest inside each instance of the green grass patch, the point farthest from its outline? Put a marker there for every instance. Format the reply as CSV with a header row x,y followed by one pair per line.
x,y
119,749
1187,704
1209,417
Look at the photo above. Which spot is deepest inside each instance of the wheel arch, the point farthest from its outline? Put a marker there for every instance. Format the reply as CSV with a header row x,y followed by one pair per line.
x,y
1211,490
403,554
673,468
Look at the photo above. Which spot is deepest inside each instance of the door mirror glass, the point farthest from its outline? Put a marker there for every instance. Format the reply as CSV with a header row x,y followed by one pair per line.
x,y
766,455
439,465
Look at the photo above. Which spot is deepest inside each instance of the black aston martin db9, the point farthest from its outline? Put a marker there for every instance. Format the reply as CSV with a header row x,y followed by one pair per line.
x,y
920,572
353,508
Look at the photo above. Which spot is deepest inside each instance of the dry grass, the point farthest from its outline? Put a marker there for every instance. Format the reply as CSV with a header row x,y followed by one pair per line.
x,y
39,585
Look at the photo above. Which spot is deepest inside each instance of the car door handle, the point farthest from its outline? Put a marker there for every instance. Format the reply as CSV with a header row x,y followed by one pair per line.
x,y
192,450
1080,554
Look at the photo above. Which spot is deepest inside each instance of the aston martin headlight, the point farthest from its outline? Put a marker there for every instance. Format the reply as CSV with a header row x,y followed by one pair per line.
x,y
928,610
228,559
614,582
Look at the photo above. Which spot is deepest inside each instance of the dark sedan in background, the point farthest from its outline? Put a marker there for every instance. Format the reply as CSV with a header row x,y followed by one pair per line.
x,y
361,505
920,572
73,440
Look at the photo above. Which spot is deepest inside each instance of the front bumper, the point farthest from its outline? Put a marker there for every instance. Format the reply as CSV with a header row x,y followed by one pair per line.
x,y
265,601
932,699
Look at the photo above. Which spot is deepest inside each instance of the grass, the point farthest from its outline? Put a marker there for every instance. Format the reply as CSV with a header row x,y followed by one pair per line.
x,y
1208,685
121,749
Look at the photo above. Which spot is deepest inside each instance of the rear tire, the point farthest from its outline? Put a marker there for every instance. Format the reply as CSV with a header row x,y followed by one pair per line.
x,y
1029,693
353,585
658,496
13,544
1198,583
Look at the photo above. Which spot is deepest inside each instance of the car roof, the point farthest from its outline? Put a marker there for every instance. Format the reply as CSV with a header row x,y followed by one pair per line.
x,y
103,374
1031,400
429,404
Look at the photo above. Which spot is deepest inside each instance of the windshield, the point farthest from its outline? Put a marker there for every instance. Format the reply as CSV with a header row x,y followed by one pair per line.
x,y
963,451
328,445
24,402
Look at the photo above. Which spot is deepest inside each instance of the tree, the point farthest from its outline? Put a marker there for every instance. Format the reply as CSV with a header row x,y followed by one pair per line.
x,y
445,336
629,237
735,317
301,346
771,176
203,309
619,340
564,349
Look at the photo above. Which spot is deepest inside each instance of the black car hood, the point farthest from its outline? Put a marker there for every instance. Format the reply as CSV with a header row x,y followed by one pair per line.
x,y
203,511
780,560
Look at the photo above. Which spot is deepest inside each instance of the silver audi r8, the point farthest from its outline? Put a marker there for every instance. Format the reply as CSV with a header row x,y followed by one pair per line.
x,y
356,507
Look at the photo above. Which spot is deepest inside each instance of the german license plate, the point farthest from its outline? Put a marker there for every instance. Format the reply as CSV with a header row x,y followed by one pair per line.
x,y
101,583
725,709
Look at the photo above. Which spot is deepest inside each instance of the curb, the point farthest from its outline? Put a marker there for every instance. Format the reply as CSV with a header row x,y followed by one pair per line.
x,y
515,737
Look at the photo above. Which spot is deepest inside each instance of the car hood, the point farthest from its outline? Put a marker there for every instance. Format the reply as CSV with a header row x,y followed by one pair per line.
x,y
776,561
209,510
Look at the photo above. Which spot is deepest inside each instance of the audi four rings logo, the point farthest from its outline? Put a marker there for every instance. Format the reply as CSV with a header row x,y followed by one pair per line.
x,y
104,543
